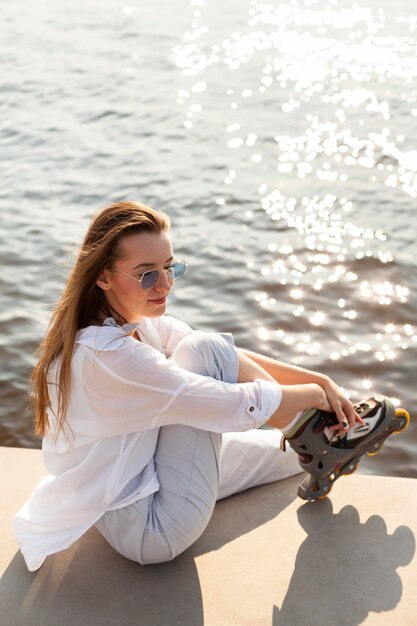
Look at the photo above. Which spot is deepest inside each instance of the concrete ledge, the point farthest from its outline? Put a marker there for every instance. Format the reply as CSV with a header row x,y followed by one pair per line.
x,y
265,558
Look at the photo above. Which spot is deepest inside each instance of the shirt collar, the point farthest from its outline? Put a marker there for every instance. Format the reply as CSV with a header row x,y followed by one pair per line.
x,y
128,328
109,336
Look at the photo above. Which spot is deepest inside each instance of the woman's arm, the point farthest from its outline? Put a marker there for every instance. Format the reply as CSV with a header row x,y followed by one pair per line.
x,y
288,375
284,373
295,397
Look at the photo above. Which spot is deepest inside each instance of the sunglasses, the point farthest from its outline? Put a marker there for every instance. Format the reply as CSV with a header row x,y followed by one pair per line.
x,y
149,278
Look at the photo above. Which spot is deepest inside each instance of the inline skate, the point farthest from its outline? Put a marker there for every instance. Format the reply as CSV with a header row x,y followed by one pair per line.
x,y
326,455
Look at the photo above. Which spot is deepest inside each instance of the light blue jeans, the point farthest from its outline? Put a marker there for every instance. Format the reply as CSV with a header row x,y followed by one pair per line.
x,y
187,460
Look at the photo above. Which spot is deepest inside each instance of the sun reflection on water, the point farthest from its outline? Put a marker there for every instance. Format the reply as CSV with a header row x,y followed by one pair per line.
x,y
330,68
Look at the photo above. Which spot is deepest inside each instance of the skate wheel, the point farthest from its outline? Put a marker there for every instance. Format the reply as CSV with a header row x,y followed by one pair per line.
x,y
377,450
350,469
324,495
403,416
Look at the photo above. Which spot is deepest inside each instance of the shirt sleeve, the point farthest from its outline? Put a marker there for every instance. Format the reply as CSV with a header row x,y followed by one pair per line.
x,y
137,388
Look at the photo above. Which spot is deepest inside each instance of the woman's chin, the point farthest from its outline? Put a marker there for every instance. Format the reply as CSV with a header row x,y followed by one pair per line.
x,y
156,310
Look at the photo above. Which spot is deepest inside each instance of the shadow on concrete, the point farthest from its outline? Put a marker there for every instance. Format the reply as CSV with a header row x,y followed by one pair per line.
x,y
239,514
92,584
344,569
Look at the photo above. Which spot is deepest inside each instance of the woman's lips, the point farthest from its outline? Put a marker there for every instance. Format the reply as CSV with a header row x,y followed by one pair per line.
x,y
159,301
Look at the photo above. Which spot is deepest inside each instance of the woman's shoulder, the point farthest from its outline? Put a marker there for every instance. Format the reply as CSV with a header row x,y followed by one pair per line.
x,y
102,337
157,332
170,322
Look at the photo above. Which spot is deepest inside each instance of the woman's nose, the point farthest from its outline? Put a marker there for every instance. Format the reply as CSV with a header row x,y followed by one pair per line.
x,y
163,283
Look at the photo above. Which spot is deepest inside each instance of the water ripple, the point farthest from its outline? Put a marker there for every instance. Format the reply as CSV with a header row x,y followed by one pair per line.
x,y
276,135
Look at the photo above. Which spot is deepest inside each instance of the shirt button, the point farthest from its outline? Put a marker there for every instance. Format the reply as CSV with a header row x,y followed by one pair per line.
x,y
251,409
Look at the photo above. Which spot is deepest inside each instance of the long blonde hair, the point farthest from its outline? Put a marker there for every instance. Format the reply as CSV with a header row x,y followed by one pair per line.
x,y
82,302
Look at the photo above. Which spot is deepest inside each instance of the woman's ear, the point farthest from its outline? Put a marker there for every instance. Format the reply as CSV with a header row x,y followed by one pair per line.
x,y
103,281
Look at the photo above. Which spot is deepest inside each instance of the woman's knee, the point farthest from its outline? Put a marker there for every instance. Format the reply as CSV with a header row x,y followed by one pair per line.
x,y
209,354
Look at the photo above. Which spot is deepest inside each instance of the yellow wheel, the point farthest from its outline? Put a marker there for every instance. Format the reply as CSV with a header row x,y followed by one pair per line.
x,y
325,494
402,413
376,451
351,469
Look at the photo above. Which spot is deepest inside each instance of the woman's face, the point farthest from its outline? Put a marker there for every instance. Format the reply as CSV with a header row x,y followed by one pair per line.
x,y
140,252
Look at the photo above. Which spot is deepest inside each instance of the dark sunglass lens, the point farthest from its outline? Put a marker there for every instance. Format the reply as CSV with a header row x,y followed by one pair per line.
x,y
149,279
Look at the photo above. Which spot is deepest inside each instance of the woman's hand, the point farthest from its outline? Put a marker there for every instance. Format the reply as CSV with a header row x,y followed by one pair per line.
x,y
344,409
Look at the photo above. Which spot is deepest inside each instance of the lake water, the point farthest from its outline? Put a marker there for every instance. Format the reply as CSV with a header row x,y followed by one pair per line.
x,y
281,139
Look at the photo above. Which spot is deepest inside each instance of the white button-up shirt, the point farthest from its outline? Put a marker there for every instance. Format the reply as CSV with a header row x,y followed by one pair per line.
x,y
122,392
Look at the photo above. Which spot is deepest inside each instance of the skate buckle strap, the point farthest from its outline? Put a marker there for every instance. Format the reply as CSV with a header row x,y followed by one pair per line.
x,y
282,444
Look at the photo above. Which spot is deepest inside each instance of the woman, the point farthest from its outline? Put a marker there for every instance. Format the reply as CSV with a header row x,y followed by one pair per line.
x,y
131,404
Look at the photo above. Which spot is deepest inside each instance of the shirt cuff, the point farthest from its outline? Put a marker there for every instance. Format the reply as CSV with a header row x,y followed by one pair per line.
x,y
271,395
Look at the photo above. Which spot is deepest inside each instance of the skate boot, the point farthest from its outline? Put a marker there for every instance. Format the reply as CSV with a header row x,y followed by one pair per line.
x,y
326,455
